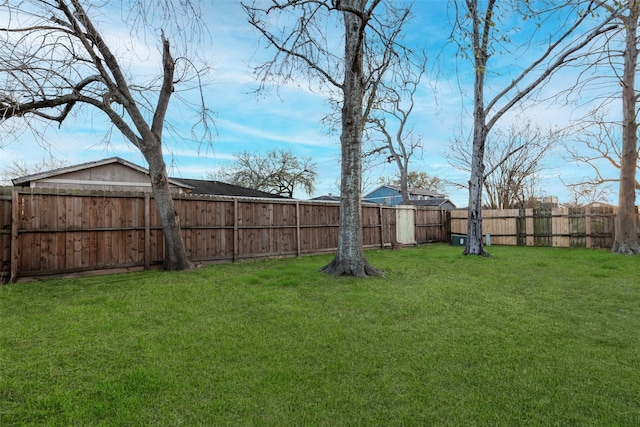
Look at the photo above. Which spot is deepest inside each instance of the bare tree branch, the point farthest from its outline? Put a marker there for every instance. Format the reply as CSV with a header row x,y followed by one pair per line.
x,y
480,38
514,160
59,60
277,171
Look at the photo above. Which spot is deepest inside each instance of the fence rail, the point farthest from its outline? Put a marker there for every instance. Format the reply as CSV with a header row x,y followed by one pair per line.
x,y
46,232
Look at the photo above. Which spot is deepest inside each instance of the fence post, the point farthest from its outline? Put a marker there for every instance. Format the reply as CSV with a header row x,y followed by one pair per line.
x,y
521,228
298,244
381,226
587,227
416,228
235,229
15,220
147,232
447,226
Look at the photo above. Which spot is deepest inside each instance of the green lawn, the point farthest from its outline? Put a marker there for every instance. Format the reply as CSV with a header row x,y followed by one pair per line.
x,y
532,336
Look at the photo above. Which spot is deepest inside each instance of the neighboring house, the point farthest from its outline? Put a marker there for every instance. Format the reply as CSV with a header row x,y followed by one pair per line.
x,y
112,174
116,174
390,195
436,202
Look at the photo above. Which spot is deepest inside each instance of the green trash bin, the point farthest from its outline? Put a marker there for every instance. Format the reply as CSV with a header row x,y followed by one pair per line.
x,y
459,239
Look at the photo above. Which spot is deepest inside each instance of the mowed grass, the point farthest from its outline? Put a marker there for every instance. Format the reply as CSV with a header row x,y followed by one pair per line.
x,y
532,336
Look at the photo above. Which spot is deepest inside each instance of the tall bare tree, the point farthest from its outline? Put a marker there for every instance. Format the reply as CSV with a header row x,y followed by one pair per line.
x,y
513,160
56,59
306,48
626,231
478,35
617,58
390,131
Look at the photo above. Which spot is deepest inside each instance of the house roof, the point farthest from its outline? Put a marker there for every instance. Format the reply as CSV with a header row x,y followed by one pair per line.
x,y
218,188
413,191
192,186
440,202
327,198
27,179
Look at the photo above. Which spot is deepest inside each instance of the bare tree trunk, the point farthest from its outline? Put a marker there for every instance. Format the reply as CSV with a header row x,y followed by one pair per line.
x,y
476,184
349,259
108,90
486,39
175,254
404,186
626,233
481,29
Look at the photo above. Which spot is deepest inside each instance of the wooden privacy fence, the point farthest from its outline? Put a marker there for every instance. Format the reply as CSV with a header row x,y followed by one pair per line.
x,y
44,232
586,227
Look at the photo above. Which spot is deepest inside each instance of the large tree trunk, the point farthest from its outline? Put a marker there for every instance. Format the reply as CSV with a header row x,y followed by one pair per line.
x,y
404,186
175,254
474,244
626,233
349,259
70,30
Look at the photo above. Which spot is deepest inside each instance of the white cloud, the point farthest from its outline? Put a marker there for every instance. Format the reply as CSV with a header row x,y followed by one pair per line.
x,y
288,117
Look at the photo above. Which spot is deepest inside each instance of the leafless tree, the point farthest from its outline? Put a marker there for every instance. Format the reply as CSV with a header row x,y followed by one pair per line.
x,y
626,230
299,31
393,78
480,34
583,194
391,135
56,59
278,172
597,143
513,160
615,65
417,180
20,168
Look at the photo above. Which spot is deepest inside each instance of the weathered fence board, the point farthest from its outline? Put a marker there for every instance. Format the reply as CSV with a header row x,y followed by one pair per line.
x,y
542,227
602,226
5,232
577,227
591,227
51,232
431,225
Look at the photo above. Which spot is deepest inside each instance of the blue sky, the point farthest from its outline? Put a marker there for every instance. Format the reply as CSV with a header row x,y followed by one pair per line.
x,y
289,117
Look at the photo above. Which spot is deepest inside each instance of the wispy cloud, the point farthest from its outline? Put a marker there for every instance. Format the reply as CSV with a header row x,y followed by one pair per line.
x,y
288,117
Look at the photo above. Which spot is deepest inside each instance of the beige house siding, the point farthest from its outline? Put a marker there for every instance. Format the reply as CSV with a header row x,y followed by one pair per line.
x,y
107,175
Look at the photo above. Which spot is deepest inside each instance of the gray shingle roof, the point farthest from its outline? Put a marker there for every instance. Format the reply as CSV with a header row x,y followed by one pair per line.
x,y
218,188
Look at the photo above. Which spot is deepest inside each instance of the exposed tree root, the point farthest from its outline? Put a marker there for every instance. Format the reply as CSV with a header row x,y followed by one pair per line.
x,y
342,268
626,247
482,253
173,265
